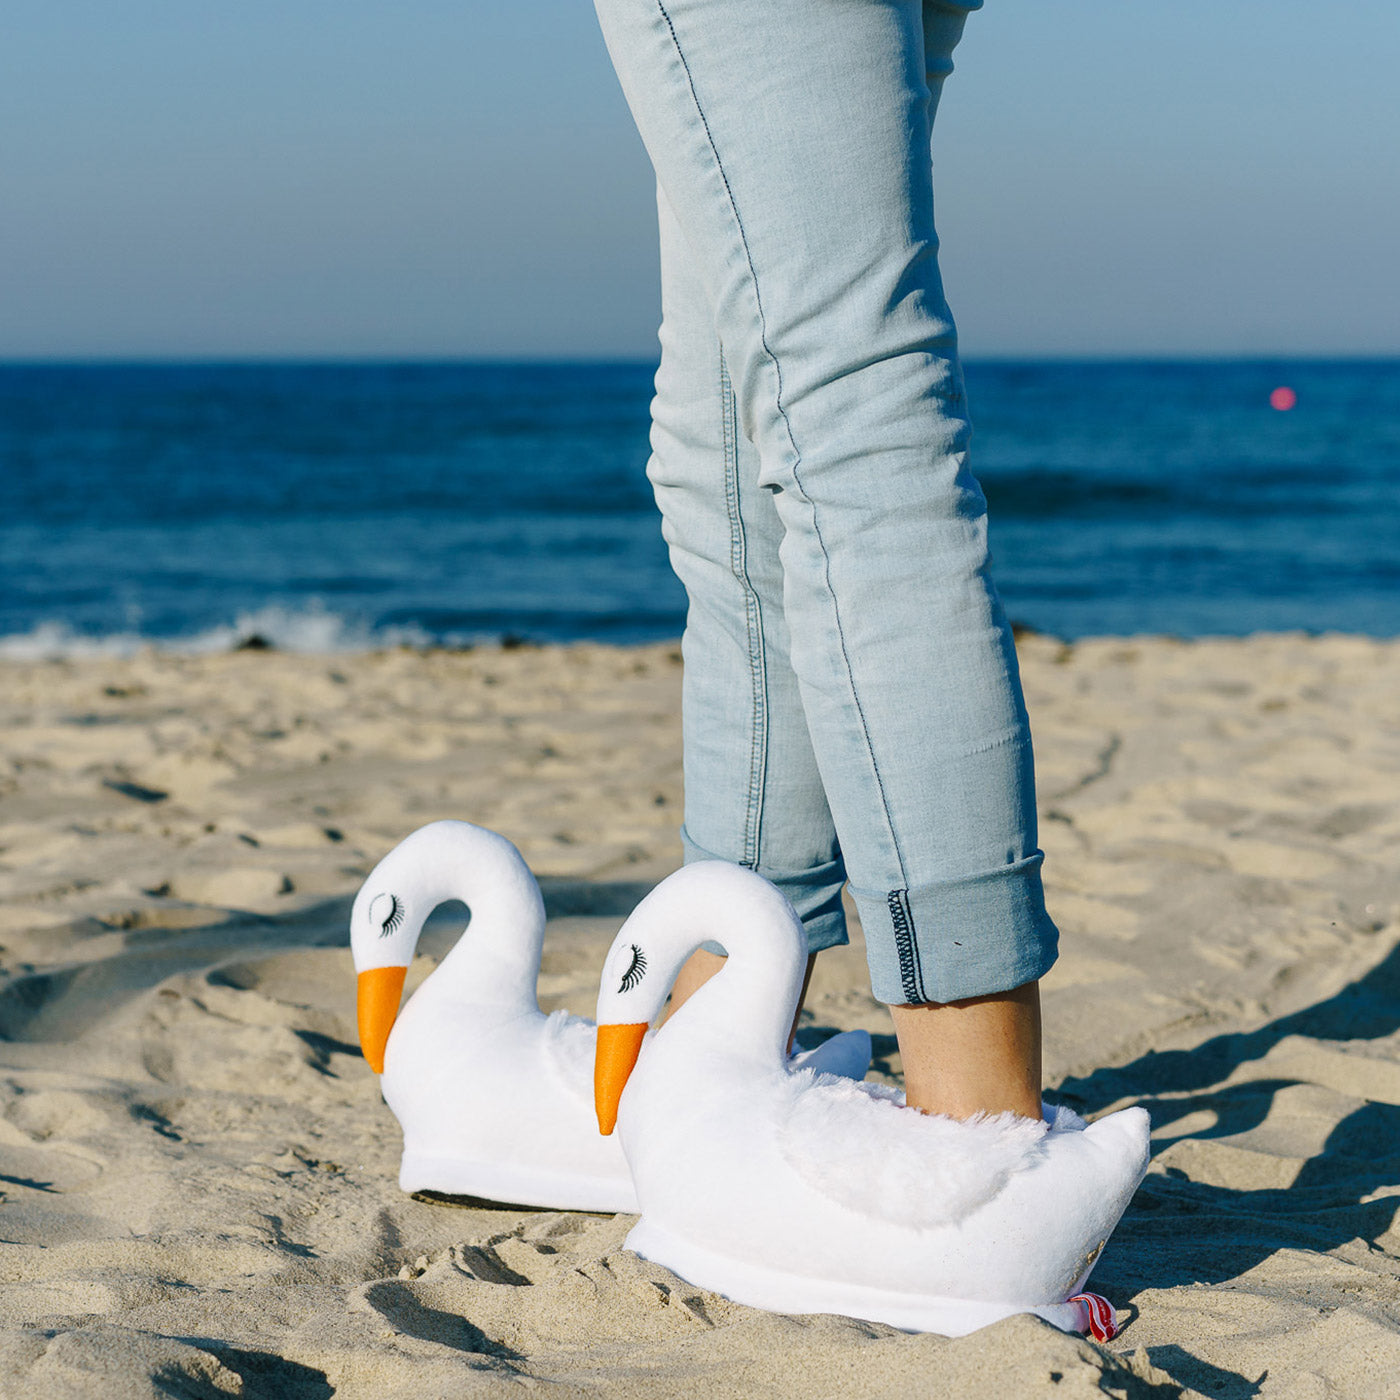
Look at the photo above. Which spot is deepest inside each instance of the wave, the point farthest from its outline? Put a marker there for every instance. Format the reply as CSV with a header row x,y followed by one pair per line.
x,y
313,630
316,630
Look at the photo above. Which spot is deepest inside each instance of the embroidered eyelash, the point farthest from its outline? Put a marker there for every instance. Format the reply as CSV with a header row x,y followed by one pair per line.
x,y
633,975
393,919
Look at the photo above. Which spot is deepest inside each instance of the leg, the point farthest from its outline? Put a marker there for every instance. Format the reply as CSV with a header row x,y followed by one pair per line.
x,y
753,792
983,1053
796,160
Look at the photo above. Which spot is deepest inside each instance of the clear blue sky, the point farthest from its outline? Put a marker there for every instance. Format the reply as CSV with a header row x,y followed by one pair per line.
x,y
460,177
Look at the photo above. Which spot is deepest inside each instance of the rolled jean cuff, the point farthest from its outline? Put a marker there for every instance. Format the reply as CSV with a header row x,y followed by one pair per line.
x,y
815,893
958,938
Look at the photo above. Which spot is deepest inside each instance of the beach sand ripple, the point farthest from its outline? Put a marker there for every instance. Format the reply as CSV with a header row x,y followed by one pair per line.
x,y
197,1175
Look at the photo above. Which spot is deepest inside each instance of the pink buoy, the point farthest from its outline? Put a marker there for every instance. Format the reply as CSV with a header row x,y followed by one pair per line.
x,y
1283,398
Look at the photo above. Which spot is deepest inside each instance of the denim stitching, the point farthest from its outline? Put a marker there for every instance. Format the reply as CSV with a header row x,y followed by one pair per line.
x,y
911,973
792,443
753,622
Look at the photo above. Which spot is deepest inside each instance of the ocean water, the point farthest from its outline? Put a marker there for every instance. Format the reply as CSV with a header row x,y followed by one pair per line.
x,y
325,507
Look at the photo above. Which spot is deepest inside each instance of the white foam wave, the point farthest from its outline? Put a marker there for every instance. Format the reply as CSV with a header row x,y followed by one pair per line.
x,y
313,630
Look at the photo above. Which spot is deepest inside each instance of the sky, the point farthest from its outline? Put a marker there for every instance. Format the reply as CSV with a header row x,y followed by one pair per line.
x,y
460,178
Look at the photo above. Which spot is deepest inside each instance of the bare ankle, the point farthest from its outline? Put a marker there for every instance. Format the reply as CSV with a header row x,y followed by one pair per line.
x,y
981,1055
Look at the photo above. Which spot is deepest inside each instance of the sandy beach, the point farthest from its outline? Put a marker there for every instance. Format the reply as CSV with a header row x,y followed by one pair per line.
x,y
197,1175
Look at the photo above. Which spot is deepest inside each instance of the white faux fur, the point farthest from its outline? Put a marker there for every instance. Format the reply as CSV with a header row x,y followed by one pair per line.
x,y
862,1148
567,1044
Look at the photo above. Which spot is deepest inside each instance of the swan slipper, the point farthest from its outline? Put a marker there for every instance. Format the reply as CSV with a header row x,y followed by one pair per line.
x,y
493,1096
796,1192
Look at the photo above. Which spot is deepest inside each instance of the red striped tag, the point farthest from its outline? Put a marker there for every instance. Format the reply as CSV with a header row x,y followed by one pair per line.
x,y
1103,1321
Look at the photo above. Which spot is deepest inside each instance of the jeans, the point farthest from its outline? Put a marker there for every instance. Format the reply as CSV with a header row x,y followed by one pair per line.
x,y
852,705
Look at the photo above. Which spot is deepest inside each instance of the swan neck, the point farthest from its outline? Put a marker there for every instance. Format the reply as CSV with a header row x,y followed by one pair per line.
x,y
747,1007
496,959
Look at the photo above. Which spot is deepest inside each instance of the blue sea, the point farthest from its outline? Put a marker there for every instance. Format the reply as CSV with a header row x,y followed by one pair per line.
x,y
343,506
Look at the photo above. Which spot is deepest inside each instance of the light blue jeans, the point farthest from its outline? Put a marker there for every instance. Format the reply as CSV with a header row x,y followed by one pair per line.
x,y
852,704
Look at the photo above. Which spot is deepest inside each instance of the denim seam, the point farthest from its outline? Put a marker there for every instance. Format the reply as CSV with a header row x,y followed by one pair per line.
x,y
792,442
911,973
753,622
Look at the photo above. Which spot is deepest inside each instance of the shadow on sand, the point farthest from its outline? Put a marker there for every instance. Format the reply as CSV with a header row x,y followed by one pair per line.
x,y
60,1003
1180,1231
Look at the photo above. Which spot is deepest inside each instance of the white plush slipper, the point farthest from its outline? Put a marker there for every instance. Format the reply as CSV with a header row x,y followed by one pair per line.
x,y
797,1192
495,1098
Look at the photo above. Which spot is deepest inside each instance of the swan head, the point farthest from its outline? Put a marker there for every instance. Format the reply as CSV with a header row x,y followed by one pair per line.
x,y
620,1040
709,899
441,861
382,952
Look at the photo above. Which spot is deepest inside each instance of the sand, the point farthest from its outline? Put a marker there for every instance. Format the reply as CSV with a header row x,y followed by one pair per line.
x,y
198,1175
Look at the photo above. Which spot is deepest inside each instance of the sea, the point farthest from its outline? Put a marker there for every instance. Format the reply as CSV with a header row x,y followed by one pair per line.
x,y
330,507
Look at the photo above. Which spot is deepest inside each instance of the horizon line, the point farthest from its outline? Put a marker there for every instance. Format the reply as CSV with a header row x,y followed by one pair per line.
x,y
202,360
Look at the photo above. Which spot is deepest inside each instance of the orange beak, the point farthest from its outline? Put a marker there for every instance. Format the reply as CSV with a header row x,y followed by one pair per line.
x,y
618,1048
377,995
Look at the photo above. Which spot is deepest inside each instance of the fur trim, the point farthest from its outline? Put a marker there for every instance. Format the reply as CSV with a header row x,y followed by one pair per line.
x,y
567,1048
860,1147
